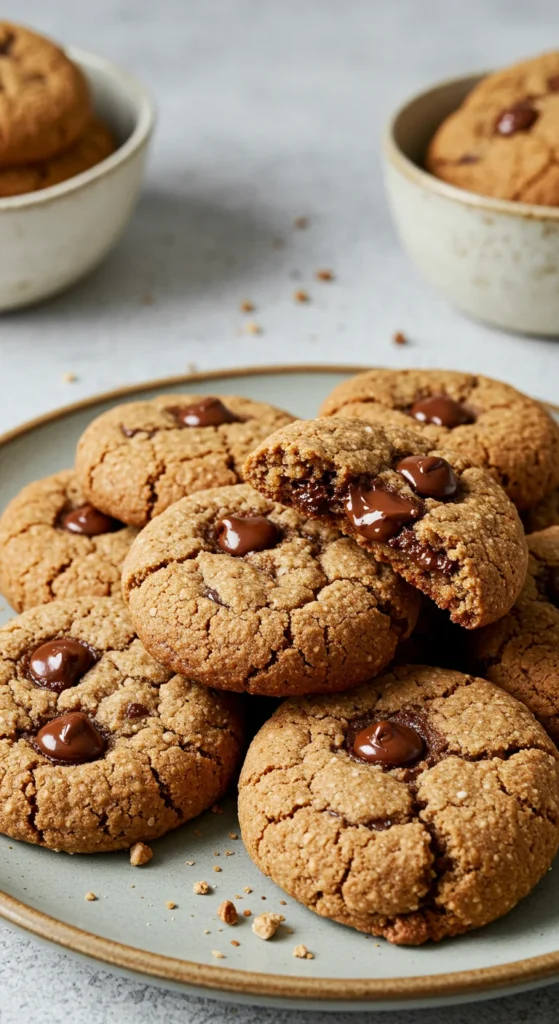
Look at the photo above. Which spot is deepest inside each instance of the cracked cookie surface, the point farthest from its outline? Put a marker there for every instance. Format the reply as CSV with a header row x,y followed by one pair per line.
x,y
94,145
521,651
136,459
412,853
41,560
502,140
466,551
44,98
501,428
310,613
170,746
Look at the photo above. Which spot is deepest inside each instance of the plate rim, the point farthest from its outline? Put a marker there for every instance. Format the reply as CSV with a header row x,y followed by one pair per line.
x,y
225,979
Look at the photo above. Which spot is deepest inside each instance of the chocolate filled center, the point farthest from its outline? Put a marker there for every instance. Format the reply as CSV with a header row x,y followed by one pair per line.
x,y
70,739
312,496
430,476
59,664
440,410
89,521
388,743
239,535
136,710
378,514
519,118
210,412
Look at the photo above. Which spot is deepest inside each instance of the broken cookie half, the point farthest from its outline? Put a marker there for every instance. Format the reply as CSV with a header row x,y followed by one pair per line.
x,y
443,524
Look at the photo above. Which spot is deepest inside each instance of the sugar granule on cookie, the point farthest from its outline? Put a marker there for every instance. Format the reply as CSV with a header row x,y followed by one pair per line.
x,y
442,523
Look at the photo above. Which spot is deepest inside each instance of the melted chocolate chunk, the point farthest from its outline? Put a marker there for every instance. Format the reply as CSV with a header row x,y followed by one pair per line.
x,y
312,496
422,554
210,412
89,522
440,410
518,118
136,710
239,535
430,476
214,596
132,431
388,743
70,739
378,514
59,664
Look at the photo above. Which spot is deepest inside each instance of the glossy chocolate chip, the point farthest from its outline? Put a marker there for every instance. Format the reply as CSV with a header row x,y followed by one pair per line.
x,y
388,743
136,710
239,535
378,514
89,522
430,476
70,739
422,554
311,496
210,412
440,410
519,118
59,664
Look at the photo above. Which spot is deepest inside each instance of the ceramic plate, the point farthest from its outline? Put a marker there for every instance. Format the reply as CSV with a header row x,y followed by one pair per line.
x,y
129,926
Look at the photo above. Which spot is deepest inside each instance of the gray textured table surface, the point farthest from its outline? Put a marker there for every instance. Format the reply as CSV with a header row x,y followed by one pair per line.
x,y
268,111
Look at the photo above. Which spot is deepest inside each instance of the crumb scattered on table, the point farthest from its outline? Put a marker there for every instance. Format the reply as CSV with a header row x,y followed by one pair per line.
x,y
233,835
235,943
90,897
324,275
247,888
253,328
283,903
399,338
170,905
69,377
301,223
140,854
246,306
201,888
303,953
216,809
227,911
229,853
266,925
247,913
190,863
301,295
218,955
217,867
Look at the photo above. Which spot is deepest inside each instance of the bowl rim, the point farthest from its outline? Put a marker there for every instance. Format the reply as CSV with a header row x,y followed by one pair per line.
x,y
145,115
394,155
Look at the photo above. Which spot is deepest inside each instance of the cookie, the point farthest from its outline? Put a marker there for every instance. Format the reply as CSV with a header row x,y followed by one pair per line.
x,y
418,807
246,595
542,515
53,544
490,423
44,98
521,651
445,525
99,745
94,145
136,459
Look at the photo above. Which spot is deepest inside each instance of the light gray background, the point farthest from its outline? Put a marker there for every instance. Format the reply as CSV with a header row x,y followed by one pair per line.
x,y
269,110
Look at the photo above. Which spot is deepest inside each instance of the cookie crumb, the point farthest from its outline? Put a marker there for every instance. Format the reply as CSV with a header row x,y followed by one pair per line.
x,y
218,955
247,913
399,338
170,905
90,897
253,328
246,306
201,888
227,911
247,888
301,223
235,943
233,835
302,953
217,867
266,925
324,275
140,854
229,853
216,809
301,295
216,853
190,863
69,377
283,903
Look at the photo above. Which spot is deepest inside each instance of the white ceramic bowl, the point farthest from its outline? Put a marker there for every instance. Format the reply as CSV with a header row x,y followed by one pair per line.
x,y
50,238
495,259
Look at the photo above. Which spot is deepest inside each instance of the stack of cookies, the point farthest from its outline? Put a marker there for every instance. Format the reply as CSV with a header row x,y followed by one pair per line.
x,y
48,129
370,570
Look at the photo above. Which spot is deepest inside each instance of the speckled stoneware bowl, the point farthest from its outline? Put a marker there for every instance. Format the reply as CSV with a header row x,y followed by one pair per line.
x,y
497,260
51,238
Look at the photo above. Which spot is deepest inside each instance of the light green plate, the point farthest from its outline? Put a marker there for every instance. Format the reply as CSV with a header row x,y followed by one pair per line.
x,y
129,926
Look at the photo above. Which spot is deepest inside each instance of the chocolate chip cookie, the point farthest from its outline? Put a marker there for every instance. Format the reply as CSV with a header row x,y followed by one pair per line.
x,y
490,423
237,592
54,544
99,745
136,459
502,140
521,651
94,145
444,524
44,98
420,806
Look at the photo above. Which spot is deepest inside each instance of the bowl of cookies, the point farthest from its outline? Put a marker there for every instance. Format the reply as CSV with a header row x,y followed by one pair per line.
x,y
473,185
75,131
